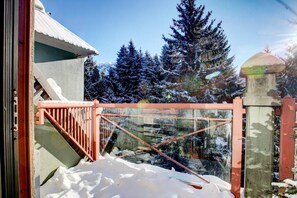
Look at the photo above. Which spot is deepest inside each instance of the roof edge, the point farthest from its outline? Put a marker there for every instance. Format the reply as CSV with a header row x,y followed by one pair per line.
x,y
61,44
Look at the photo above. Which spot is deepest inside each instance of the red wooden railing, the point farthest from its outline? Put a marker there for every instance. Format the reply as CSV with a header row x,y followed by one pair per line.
x,y
287,138
78,122
90,129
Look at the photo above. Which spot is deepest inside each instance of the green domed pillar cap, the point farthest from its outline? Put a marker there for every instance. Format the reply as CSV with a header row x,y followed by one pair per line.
x,y
262,63
260,72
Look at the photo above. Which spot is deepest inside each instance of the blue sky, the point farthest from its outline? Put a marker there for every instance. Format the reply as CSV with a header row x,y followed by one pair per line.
x,y
250,25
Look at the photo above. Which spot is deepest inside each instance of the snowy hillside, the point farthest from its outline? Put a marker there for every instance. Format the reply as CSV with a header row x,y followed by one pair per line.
x,y
105,67
109,177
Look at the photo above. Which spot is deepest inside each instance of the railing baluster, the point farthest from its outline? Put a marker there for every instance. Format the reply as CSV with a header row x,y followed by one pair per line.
x,y
104,133
82,128
58,115
74,123
62,117
78,126
65,119
71,121
89,132
68,121
54,113
86,127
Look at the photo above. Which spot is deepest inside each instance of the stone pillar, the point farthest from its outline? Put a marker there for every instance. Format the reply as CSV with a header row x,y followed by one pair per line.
x,y
260,98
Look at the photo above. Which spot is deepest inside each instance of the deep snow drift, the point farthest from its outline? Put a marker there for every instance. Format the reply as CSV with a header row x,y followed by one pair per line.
x,y
115,178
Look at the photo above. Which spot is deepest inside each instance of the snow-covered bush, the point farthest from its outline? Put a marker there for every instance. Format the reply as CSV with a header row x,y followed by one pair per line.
x,y
286,188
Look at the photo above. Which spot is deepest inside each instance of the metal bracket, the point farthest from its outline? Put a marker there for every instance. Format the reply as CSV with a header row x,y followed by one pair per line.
x,y
15,114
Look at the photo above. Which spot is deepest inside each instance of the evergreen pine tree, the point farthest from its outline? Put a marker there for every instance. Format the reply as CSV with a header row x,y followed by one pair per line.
x,y
108,88
91,77
155,94
198,48
149,74
128,72
287,79
157,69
169,88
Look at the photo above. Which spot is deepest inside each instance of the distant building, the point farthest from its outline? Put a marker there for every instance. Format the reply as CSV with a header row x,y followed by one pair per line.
x,y
58,71
59,57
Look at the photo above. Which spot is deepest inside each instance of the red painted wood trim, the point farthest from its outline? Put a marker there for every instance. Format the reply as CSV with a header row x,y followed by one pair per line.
x,y
95,132
24,58
169,106
236,147
138,105
287,143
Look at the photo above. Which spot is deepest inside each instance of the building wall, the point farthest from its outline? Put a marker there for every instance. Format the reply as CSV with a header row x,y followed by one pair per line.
x,y
45,53
68,74
53,151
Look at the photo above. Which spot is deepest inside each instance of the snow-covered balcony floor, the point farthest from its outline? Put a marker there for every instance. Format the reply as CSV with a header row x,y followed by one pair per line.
x,y
110,177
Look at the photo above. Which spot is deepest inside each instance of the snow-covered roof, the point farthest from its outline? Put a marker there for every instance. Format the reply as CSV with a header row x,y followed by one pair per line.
x,y
50,32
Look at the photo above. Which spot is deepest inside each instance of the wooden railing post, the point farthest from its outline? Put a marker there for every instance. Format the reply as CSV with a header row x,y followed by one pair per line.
x,y
287,142
40,115
236,147
95,131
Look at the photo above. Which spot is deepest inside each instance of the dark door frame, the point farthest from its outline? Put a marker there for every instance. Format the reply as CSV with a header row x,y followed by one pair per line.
x,y
25,32
15,161
9,62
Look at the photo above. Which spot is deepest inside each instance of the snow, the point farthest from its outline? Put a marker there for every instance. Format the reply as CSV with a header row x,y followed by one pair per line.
x,y
280,184
56,88
111,177
220,142
288,184
291,182
212,75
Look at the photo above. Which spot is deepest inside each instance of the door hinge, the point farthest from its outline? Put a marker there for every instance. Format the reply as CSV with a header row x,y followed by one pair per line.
x,y
15,114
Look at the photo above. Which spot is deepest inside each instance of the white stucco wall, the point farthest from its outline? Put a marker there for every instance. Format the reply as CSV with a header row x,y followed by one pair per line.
x,y
68,74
